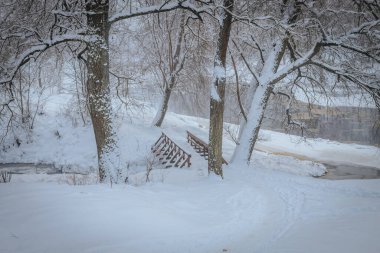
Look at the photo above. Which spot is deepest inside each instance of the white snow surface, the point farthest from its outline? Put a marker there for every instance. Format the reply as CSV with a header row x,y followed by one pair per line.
x,y
273,205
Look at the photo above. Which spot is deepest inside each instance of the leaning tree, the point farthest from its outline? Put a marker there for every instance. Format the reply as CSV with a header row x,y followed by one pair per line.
x,y
339,38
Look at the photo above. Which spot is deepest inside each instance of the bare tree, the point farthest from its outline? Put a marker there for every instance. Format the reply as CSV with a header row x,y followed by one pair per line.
x,y
170,61
329,35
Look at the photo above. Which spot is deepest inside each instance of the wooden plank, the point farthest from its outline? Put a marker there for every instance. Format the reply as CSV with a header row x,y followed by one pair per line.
x,y
170,153
200,145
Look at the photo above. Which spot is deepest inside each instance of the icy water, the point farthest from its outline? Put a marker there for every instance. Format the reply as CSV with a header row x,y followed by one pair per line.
x,y
335,171
340,171
350,171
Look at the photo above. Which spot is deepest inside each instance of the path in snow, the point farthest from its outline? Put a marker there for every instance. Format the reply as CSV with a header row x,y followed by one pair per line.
x,y
314,215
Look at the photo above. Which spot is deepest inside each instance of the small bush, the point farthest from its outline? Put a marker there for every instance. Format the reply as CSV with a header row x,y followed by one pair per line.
x,y
80,179
5,177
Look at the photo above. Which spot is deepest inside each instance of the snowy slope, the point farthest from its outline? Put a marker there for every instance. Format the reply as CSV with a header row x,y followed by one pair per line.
x,y
61,141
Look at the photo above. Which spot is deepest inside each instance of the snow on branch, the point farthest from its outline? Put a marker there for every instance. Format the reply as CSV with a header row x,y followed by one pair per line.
x,y
345,41
251,70
373,88
300,62
363,51
307,58
353,76
9,72
165,6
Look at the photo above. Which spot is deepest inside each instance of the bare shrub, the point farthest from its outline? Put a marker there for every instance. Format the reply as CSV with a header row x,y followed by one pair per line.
x,y
80,179
150,161
5,177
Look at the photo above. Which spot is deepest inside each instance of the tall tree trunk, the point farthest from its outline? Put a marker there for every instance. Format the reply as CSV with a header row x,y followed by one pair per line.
x,y
218,91
175,67
250,94
99,90
250,131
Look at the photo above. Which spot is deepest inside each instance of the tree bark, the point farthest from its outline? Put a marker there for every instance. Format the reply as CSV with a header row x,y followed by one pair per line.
x,y
250,131
175,67
99,89
251,128
218,91
159,118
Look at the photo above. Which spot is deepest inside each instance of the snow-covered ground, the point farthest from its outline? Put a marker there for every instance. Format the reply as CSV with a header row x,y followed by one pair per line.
x,y
252,210
272,206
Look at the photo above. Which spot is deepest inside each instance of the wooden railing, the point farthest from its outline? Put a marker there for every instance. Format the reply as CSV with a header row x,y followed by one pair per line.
x,y
200,146
169,153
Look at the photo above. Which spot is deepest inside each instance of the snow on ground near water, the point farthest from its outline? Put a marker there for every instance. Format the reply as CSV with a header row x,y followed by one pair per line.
x,y
263,208
320,150
56,140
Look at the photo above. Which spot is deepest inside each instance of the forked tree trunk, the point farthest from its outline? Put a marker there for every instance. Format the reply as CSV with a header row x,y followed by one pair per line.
x,y
250,94
250,131
217,93
99,90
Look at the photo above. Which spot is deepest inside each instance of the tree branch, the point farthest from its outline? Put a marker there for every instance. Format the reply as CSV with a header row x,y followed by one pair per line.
x,y
168,5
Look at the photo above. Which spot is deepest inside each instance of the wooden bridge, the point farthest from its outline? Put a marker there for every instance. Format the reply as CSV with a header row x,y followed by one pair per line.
x,y
200,146
169,153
